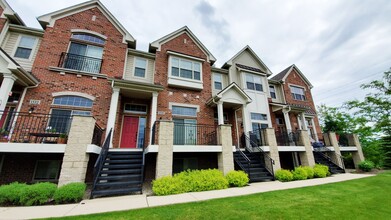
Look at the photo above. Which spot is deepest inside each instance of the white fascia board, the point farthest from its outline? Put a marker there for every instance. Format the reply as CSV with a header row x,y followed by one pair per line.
x,y
32,148
348,148
196,148
291,148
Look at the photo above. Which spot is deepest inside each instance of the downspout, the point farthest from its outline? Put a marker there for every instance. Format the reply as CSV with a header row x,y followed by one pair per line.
x,y
18,109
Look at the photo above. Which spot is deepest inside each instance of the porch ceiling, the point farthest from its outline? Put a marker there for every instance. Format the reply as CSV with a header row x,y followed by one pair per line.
x,y
135,89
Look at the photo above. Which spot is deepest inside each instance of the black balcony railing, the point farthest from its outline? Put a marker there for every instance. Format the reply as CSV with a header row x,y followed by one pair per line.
x,y
258,137
195,134
80,63
24,127
287,138
97,137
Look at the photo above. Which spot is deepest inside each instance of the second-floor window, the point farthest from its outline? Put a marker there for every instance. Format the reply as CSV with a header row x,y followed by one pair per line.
x,y
217,81
25,47
254,82
140,67
297,93
85,53
184,111
272,92
185,69
258,116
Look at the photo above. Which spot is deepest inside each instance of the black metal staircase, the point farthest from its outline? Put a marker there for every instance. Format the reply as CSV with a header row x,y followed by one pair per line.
x,y
254,161
118,172
321,157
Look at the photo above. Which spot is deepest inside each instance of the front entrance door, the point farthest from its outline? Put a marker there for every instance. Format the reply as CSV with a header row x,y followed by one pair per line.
x,y
129,132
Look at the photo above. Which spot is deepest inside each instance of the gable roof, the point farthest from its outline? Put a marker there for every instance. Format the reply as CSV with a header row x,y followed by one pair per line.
x,y
247,47
155,45
281,77
10,14
50,18
232,86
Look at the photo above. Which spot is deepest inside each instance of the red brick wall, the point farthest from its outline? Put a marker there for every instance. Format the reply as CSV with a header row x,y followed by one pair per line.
x,y
2,20
55,41
206,113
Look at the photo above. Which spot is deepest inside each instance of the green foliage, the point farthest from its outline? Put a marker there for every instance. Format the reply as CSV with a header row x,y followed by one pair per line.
x,y
309,171
386,150
10,194
69,193
321,171
299,173
37,194
190,181
237,178
284,175
366,165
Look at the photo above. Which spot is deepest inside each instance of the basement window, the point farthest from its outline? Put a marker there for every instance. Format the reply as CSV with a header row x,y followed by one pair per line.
x,y
47,170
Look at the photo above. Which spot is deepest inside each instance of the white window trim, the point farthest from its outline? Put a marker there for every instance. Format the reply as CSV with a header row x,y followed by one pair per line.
x,y
58,172
245,82
302,87
182,78
136,112
75,31
72,106
275,91
68,93
134,67
197,107
32,49
294,85
213,81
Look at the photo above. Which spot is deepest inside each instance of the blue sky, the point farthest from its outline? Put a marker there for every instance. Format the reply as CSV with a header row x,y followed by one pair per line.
x,y
337,44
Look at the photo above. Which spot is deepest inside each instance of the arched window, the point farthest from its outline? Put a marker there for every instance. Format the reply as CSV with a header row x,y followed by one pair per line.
x,y
75,101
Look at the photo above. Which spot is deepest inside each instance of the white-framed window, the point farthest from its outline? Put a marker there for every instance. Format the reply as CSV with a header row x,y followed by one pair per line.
x,y
297,93
25,47
272,92
47,170
217,81
184,111
85,53
186,69
135,108
258,116
75,101
280,121
140,67
254,82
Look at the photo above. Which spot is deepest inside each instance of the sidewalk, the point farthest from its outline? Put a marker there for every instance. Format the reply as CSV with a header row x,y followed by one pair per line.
x,y
141,201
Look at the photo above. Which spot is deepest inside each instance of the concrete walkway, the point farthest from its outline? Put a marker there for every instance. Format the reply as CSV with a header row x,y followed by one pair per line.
x,y
142,201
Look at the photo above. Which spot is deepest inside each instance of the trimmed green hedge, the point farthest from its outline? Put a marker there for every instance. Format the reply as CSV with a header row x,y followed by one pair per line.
x,y
366,165
237,178
284,175
190,181
17,194
321,171
302,173
70,193
299,173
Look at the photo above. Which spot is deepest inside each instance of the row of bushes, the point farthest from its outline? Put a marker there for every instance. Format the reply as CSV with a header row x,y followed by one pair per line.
x,y
21,194
366,165
302,173
198,180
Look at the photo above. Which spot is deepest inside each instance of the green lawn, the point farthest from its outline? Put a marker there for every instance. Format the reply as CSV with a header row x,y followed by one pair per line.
x,y
368,198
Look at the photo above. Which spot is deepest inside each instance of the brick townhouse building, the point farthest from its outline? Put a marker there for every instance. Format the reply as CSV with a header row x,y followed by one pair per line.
x,y
130,116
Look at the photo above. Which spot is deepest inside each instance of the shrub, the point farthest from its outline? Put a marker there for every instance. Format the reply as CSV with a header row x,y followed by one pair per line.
x,y
190,181
69,193
309,171
37,194
284,175
299,173
10,194
237,178
167,186
321,171
366,165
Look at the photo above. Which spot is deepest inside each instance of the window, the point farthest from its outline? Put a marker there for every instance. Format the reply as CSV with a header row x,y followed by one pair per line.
x,y
258,116
280,121
82,55
185,69
140,67
185,131
184,111
272,92
47,170
254,82
297,93
134,108
1,162
217,79
183,164
141,132
258,126
75,101
25,47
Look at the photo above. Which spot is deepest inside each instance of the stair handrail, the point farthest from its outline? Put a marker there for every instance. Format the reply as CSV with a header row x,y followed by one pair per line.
x,y
240,163
101,159
255,145
340,163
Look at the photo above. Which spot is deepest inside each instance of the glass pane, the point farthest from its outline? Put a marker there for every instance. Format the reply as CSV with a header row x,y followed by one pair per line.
x,y
197,67
78,49
179,134
185,111
186,73
190,131
73,101
23,53
47,170
89,38
249,78
186,65
197,75
59,121
250,85
218,85
140,72
141,133
217,77
175,62
93,51
175,71
27,42
258,87
141,63
257,79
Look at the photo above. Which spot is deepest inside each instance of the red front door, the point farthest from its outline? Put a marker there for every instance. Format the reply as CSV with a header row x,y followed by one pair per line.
x,y
129,132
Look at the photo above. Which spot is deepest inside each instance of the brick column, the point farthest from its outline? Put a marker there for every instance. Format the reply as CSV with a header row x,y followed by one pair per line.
x,y
270,138
74,164
332,137
226,157
358,155
306,157
164,158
